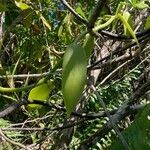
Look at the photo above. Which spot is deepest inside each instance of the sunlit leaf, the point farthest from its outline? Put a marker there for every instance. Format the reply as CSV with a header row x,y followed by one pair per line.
x,y
45,22
41,92
74,75
60,30
21,5
80,11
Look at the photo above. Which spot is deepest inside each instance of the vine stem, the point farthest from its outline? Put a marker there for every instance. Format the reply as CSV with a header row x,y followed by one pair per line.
x,y
102,26
99,27
11,90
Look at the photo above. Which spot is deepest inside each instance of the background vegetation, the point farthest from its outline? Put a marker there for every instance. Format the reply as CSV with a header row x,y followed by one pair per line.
x,y
113,110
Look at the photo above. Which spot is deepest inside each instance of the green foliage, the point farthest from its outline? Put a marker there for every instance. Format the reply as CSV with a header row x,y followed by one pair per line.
x,y
34,41
113,94
88,45
139,4
128,18
80,11
21,5
41,92
15,135
74,75
127,25
147,24
138,134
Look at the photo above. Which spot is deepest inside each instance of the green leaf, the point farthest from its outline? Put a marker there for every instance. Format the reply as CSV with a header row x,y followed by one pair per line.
x,y
141,5
88,45
3,7
21,5
147,24
138,134
41,92
80,11
120,7
74,75
133,2
128,18
125,23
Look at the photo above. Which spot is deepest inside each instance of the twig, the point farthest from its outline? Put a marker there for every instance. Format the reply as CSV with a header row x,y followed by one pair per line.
x,y
118,50
16,106
10,109
114,71
132,69
124,57
25,75
61,127
30,121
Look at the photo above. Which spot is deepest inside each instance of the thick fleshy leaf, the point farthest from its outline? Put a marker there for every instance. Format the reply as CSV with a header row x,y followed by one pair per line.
x,y
88,45
104,25
41,92
74,75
